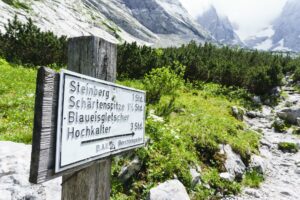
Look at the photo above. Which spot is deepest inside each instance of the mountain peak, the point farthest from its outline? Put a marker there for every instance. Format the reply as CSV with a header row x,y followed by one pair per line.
x,y
283,34
219,26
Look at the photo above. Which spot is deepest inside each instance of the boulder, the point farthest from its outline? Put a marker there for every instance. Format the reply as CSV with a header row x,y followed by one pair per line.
x,y
252,192
254,114
14,172
196,176
298,121
279,125
251,114
256,99
233,164
238,112
258,164
290,115
276,91
227,176
169,190
129,170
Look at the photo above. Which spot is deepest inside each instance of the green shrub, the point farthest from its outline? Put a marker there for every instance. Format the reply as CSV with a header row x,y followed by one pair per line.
x,y
26,44
253,179
288,147
257,72
162,81
296,76
279,125
225,187
296,131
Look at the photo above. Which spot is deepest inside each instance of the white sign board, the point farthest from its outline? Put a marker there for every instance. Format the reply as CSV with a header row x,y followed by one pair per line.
x,y
96,119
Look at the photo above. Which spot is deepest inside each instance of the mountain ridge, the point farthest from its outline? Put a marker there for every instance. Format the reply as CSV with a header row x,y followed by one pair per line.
x,y
283,34
147,22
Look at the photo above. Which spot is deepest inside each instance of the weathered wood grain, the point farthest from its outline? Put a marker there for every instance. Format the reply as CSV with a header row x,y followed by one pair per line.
x,y
90,56
43,141
94,57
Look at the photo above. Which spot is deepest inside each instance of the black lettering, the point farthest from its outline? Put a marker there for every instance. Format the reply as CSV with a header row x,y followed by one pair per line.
x,y
71,117
71,132
72,86
71,102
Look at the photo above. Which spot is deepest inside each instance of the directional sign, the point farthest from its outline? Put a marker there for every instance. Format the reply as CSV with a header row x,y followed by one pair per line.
x,y
96,119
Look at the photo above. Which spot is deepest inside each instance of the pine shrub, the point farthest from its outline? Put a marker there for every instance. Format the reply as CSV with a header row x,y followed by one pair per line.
x,y
25,43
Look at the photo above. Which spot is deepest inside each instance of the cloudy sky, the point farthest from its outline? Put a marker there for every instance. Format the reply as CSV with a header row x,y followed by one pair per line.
x,y
249,15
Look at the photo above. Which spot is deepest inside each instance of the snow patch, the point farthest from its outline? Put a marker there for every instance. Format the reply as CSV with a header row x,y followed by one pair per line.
x,y
266,32
265,45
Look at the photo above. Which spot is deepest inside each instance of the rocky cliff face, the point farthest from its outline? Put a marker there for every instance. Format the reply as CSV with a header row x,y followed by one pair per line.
x,y
284,32
219,27
152,22
287,27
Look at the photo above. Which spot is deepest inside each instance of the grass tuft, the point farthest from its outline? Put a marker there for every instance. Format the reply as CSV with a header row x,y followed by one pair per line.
x,y
288,147
253,179
17,92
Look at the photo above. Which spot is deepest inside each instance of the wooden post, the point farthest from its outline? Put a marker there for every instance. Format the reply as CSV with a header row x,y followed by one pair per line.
x,y
94,57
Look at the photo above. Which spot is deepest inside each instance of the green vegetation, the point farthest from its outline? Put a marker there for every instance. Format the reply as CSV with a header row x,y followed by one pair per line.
x,y
212,178
279,126
195,122
17,89
288,147
253,179
26,44
162,81
190,93
17,4
255,71
296,131
113,29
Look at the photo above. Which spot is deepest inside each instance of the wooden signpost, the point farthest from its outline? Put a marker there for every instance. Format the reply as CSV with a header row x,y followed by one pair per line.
x,y
82,118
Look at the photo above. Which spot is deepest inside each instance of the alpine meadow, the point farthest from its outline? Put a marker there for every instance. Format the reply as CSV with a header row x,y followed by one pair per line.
x,y
222,121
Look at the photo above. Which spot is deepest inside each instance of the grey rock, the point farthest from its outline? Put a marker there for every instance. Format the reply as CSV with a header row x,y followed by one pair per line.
x,y
298,121
238,112
151,22
276,91
128,171
196,177
279,125
256,99
297,171
258,164
207,186
265,142
289,104
227,176
251,114
5,194
233,164
169,190
267,102
14,172
252,192
290,115
254,114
